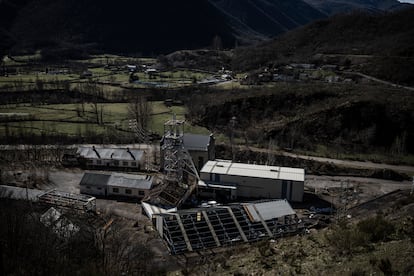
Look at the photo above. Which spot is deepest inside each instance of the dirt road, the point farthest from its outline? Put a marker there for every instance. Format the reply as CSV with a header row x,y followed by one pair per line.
x,y
346,163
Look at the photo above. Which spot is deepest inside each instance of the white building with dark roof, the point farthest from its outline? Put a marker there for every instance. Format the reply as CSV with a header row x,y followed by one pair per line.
x,y
224,178
112,157
116,185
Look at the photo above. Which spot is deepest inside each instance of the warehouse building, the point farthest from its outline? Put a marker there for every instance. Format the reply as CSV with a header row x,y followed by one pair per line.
x,y
116,185
224,179
116,158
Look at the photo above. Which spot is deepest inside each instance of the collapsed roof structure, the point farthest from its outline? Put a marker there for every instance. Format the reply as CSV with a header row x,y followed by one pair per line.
x,y
202,228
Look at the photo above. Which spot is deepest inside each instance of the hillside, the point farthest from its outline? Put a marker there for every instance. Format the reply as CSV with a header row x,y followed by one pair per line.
x,y
359,118
379,242
129,26
332,7
386,41
148,27
266,18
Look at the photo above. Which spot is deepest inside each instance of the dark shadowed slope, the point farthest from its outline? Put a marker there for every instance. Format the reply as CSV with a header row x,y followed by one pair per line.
x,y
344,6
155,26
268,18
123,26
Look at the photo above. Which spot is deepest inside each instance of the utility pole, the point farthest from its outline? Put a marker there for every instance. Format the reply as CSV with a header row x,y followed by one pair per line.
x,y
232,125
412,187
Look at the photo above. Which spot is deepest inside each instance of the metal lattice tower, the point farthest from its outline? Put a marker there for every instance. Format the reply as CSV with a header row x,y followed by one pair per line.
x,y
140,133
177,160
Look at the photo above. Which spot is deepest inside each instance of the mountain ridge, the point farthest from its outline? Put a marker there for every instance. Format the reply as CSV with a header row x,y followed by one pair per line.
x,y
151,27
331,7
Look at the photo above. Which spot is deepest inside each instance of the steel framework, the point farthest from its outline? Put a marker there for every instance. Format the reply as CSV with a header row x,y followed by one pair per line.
x,y
203,228
68,200
181,175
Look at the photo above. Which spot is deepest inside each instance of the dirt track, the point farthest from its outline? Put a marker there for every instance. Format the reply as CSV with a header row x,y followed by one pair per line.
x,y
347,163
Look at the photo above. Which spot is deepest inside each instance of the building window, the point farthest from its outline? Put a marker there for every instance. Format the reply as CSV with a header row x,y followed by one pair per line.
x,y
90,161
133,164
128,191
125,163
99,188
115,190
99,162
116,163
88,187
141,193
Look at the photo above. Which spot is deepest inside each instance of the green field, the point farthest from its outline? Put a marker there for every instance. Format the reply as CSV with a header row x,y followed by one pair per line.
x,y
69,119
26,73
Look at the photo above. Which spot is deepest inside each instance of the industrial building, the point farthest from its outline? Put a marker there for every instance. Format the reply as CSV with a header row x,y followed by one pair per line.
x,y
116,185
226,180
216,226
200,147
115,158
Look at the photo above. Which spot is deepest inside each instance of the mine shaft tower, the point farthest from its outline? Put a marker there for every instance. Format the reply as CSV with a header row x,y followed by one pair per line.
x,y
177,160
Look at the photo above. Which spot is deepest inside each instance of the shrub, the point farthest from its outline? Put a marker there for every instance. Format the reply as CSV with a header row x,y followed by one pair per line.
x,y
346,239
378,229
385,266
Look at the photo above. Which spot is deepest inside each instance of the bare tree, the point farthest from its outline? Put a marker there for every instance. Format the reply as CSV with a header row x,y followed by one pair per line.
x,y
140,110
271,152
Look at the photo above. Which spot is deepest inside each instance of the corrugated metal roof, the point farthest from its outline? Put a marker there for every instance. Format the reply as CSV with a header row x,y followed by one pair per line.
x,y
196,142
95,179
131,181
110,153
117,180
19,193
250,170
269,210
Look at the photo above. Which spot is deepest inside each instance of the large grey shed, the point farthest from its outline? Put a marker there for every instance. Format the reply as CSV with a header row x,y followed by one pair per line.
x,y
252,181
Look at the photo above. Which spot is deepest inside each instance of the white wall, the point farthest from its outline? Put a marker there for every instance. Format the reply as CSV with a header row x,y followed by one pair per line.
x,y
260,187
116,163
92,190
122,191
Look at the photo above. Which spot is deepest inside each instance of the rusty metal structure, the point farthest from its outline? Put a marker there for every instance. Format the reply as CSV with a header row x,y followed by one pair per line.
x,y
68,200
216,226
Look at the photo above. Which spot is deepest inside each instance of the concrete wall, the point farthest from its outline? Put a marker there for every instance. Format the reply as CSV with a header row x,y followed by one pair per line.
x,y
135,193
93,190
108,191
136,164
